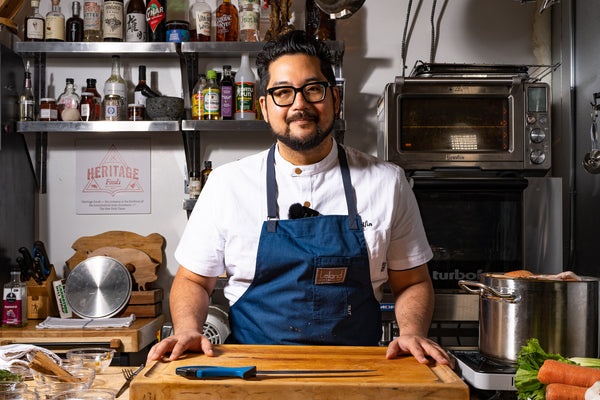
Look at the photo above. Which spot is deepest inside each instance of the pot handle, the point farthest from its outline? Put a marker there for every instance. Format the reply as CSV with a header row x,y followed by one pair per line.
x,y
485,289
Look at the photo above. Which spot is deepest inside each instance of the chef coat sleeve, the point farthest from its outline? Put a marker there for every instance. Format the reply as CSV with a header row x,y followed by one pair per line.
x,y
408,246
201,247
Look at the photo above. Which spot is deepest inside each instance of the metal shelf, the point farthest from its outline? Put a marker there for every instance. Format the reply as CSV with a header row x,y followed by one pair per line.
x,y
232,126
94,49
234,49
98,126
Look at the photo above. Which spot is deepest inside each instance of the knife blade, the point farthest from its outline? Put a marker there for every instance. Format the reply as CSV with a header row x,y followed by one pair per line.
x,y
211,371
128,381
27,261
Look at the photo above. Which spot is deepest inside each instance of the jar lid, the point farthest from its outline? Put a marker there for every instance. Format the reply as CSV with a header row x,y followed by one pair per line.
x,y
87,94
177,22
136,105
47,99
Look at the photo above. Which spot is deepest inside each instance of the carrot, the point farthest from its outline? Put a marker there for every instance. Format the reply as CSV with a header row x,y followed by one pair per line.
x,y
553,371
560,391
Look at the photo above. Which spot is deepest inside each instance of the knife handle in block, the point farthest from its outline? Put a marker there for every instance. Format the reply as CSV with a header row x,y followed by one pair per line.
x,y
210,371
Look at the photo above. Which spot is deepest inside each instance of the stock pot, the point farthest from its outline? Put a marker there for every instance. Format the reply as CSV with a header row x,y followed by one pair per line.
x,y
562,315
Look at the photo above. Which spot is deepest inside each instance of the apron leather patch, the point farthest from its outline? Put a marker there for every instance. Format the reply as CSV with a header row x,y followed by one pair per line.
x,y
327,276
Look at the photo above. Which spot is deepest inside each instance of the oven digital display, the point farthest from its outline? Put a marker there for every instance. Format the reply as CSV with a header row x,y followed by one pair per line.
x,y
536,99
454,124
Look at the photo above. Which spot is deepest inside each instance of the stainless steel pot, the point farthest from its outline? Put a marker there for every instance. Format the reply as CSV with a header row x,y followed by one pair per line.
x,y
562,315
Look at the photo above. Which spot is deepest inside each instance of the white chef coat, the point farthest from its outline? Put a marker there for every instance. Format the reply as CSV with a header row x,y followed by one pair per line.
x,y
224,228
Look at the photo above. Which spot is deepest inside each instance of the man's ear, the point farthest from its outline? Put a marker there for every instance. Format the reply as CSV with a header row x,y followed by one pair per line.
x,y
263,107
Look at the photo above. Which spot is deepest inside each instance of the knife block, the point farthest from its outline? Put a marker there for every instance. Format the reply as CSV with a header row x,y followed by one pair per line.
x,y
41,302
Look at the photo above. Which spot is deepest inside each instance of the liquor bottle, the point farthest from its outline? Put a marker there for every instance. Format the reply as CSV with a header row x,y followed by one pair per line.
x,y
115,93
198,97
249,20
227,22
34,24
156,20
75,25
195,184
68,101
91,88
212,97
205,172
136,21
92,20
55,24
14,307
245,105
200,21
26,100
317,23
227,93
142,91
113,16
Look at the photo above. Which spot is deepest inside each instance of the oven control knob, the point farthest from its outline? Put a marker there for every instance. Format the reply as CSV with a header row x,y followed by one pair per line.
x,y
537,135
537,156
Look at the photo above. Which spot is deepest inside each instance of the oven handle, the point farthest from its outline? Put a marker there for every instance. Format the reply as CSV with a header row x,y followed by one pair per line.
x,y
485,290
504,184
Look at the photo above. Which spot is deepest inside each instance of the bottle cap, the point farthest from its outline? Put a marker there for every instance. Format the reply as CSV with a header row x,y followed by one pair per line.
x,y
210,74
91,81
35,3
70,80
87,94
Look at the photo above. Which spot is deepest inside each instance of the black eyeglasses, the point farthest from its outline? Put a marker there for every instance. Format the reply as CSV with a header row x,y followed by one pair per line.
x,y
312,92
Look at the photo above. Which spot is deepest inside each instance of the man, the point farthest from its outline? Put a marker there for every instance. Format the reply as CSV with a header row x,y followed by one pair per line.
x,y
313,280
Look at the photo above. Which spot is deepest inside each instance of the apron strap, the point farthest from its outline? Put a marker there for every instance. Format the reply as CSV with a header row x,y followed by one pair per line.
x,y
272,217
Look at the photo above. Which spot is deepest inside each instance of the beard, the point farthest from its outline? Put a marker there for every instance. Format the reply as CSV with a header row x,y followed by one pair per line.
x,y
306,143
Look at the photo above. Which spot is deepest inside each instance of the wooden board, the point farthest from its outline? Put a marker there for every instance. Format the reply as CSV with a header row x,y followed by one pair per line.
x,y
400,378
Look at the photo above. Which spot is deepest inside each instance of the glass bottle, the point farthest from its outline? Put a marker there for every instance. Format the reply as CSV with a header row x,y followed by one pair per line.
x,y
156,20
91,88
212,97
26,100
113,16
34,24
115,91
136,21
14,299
198,97
141,89
227,93
75,25
205,172
245,95
195,184
68,100
92,20
249,20
317,23
227,22
200,21
55,24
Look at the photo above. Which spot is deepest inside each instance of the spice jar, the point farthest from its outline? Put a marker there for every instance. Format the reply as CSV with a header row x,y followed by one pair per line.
x,y
135,112
178,31
87,107
48,109
112,107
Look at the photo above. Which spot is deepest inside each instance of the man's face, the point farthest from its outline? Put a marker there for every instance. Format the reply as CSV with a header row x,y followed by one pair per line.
x,y
302,125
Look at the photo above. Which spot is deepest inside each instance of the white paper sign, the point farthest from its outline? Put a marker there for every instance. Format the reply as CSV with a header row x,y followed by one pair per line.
x,y
113,176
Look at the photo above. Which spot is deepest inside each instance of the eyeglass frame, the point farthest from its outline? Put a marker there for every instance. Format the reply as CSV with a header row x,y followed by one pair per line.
x,y
301,90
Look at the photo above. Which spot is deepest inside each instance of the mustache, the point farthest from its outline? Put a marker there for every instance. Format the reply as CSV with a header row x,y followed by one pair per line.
x,y
302,115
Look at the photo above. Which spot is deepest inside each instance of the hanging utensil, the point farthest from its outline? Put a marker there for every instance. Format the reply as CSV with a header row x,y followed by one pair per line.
x,y
591,161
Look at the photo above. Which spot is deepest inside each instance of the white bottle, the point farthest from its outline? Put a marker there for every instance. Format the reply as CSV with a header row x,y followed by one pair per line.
x,y
245,97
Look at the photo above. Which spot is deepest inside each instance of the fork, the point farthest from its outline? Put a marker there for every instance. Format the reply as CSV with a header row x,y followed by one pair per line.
x,y
127,373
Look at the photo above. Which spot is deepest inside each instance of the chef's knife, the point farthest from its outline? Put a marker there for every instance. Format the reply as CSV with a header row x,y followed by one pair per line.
x,y
38,271
39,250
27,261
24,272
210,371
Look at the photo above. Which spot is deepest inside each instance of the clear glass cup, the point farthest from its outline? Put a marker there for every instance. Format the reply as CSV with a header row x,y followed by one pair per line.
x,y
84,376
46,392
93,357
86,394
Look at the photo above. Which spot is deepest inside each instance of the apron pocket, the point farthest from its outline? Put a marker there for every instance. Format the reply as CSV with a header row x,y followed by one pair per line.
x,y
330,296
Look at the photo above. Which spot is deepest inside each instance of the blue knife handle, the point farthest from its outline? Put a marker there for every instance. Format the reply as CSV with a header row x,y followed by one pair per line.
x,y
210,371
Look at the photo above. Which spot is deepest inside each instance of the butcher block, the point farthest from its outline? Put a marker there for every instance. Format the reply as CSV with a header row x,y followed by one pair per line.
x,y
399,378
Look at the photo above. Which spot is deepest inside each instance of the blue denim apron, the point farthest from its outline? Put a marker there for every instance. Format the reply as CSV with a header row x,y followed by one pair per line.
x,y
312,283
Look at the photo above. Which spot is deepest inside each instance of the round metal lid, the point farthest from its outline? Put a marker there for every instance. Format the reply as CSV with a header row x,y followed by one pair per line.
x,y
98,287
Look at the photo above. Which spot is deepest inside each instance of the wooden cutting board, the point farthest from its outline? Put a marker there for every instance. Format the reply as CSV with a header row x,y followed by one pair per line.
x,y
400,378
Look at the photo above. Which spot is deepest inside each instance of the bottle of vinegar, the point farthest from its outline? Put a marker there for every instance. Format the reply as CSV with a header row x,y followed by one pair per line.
x,y
198,97
227,105
14,301
245,105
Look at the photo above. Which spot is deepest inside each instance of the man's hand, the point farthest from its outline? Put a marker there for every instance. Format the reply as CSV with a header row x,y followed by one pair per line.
x,y
419,347
177,344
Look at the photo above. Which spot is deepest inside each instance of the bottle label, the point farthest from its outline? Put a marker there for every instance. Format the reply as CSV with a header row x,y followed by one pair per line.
x,y
55,28
249,20
35,28
224,23
196,106
136,28
202,21
212,102
91,16
111,112
244,98
113,20
12,307
155,13
115,88
226,101
85,112
47,114
178,35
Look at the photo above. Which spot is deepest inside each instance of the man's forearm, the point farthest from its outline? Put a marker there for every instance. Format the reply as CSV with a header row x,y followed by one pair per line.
x,y
414,309
189,305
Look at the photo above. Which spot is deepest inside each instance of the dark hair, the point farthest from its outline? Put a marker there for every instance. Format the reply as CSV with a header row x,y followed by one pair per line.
x,y
294,42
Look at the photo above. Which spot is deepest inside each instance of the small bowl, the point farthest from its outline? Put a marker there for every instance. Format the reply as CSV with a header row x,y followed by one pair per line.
x,y
92,357
86,394
18,373
25,395
79,375
52,389
12,387
164,108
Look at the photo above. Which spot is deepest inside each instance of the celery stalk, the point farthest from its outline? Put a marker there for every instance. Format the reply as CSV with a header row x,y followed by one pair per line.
x,y
586,361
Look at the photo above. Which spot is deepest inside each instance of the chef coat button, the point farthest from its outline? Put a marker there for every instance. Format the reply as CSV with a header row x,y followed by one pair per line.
x,y
307,204
298,171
